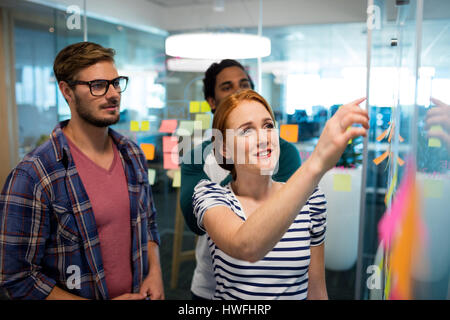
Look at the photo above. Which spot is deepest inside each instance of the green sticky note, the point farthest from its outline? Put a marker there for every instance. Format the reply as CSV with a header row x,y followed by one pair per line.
x,y
204,106
194,106
176,183
205,119
151,176
134,125
145,125
433,188
342,182
185,128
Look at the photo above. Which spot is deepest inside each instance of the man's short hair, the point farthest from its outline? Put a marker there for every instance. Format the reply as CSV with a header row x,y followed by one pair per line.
x,y
209,81
78,56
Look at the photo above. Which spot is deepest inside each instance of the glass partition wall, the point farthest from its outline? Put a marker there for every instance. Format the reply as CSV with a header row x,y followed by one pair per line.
x,y
406,69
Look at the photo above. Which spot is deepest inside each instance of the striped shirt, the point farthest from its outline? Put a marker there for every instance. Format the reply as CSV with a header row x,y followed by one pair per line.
x,y
283,272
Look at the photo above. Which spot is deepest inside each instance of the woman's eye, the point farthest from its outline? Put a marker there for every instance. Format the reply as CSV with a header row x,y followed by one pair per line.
x,y
269,126
245,131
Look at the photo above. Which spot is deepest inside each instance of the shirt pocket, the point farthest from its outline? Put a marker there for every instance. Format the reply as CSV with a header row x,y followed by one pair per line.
x,y
66,227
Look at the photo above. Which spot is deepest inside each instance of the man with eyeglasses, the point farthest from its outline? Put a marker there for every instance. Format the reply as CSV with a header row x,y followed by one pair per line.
x,y
77,218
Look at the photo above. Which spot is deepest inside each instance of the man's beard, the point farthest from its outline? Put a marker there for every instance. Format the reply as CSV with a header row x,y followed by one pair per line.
x,y
86,114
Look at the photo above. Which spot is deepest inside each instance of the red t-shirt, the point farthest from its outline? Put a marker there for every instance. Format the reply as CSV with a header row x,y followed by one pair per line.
x,y
108,193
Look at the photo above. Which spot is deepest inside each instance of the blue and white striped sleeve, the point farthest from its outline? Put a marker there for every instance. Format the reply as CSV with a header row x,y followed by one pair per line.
x,y
318,214
207,194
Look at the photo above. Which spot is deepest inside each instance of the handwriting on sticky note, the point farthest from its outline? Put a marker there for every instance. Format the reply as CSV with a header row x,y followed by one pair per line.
x,y
176,183
168,126
145,125
289,132
342,182
433,188
149,150
134,125
151,176
194,106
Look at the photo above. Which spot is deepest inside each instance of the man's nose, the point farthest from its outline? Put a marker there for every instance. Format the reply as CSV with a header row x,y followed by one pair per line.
x,y
112,92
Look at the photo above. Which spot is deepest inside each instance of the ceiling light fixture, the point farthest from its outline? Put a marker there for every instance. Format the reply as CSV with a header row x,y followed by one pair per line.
x,y
218,46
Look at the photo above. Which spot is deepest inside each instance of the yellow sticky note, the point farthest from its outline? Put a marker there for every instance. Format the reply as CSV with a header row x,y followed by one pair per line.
x,y
204,106
149,150
342,182
151,176
176,183
194,106
434,142
289,132
205,119
145,125
433,188
134,125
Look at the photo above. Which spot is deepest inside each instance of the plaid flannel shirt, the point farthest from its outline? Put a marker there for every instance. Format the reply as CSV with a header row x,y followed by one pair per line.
x,y
48,232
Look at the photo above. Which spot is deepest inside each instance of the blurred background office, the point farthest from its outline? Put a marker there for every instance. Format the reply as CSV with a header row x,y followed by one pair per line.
x,y
322,54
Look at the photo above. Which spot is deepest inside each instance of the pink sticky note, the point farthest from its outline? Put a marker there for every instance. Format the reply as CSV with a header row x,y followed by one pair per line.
x,y
170,144
171,160
168,126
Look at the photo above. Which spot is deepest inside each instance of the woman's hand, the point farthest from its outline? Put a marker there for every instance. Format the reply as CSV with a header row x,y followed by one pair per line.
x,y
337,133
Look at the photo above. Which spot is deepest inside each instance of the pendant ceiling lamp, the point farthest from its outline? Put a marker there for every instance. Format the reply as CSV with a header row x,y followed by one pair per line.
x,y
218,46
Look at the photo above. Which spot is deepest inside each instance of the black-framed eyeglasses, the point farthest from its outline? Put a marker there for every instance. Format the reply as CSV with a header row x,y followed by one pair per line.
x,y
100,87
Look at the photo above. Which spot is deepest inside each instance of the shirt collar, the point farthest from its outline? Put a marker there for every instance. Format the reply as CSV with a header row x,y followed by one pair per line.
x,y
61,146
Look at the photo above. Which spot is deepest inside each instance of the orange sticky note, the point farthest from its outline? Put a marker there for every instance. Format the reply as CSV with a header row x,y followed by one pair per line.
x,y
289,132
171,160
149,150
170,144
379,159
168,126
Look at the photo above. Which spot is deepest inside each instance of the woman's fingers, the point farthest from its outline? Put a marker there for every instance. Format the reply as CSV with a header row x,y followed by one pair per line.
x,y
354,118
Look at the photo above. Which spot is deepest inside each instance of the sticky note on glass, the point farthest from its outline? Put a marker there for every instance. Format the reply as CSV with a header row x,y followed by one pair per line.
x,y
145,125
433,188
134,125
289,132
194,106
170,144
434,142
186,128
168,126
342,182
151,176
171,160
176,183
205,119
149,150
204,106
